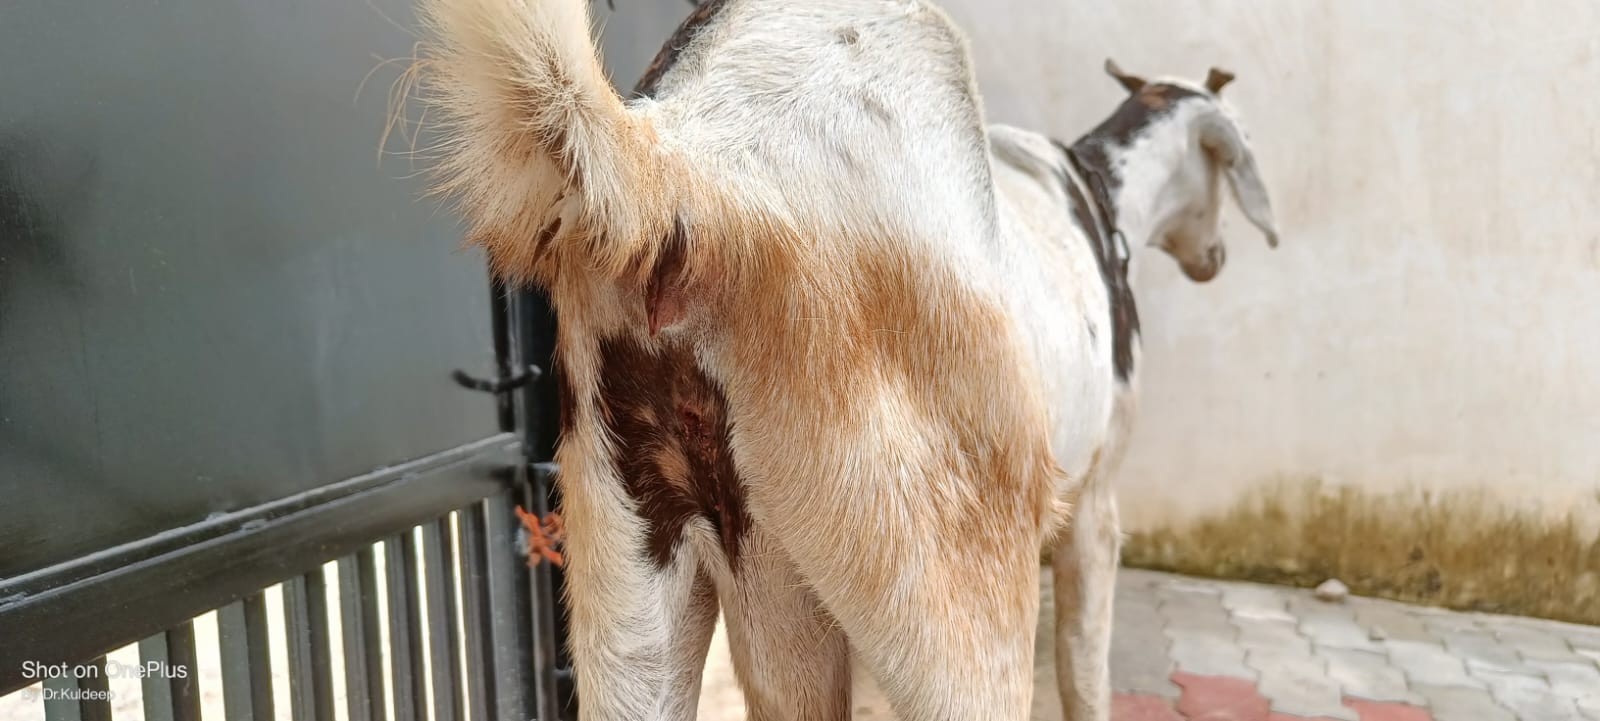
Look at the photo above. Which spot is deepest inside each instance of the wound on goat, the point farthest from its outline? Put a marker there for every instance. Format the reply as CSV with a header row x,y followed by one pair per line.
x,y
670,425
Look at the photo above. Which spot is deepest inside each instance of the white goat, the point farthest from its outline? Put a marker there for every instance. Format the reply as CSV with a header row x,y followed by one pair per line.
x,y
1149,172
827,363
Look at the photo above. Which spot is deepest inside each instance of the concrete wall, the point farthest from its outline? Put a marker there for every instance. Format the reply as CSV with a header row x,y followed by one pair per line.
x,y
1432,319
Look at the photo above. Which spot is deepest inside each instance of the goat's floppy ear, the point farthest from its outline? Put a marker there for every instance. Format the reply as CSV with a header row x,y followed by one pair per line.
x,y
1220,136
1216,79
1133,83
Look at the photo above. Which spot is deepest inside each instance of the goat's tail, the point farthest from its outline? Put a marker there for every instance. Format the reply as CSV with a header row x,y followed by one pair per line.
x,y
537,146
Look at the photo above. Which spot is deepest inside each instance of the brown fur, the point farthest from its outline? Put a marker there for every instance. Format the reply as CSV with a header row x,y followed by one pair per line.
x,y
672,445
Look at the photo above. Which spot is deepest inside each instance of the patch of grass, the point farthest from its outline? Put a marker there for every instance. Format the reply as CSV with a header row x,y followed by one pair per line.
x,y
1459,550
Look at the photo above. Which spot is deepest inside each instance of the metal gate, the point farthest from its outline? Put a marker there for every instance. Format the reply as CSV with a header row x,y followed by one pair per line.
x,y
235,471
227,335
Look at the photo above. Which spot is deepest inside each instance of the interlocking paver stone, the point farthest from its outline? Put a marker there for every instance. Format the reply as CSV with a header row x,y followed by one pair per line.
x,y
1580,637
1534,705
1277,635
1367,675
1126,707
1310,700
1337,632
1136,582
1297,683
1201,621
1213,697
1140,662
1387,619
1429,663
1483,650
1256,603
1207,658
1569,679
1192,586
1193,609
1534,643
1454,703
1502,683
1443,622
1589,705
1382,711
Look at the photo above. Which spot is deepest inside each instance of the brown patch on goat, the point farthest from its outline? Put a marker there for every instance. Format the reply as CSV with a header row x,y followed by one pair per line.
x,y
1139,111
1151,98
671,438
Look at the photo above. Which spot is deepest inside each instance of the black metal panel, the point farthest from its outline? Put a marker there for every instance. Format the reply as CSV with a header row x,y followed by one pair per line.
x,y
71,622
212,294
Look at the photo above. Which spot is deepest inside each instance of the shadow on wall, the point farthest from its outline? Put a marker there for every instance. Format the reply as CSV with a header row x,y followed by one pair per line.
x,y
1459,550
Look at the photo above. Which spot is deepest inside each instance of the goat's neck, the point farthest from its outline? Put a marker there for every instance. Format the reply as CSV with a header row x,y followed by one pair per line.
x,y
1136,185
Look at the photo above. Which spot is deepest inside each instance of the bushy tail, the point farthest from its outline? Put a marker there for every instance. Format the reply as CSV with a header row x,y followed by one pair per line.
x,y
538,147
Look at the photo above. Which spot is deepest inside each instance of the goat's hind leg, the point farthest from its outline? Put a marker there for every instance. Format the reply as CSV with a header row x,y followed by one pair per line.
x,y
791,657
940,608
1084,562
640,632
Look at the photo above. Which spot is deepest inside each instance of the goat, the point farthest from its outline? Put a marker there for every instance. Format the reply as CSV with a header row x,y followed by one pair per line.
x,y
818,370
1148,173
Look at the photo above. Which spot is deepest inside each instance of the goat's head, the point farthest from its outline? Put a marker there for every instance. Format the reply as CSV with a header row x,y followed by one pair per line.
x,y
1168,143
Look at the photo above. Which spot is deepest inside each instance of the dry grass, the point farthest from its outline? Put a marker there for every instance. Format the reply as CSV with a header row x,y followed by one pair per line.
x,y
1461,550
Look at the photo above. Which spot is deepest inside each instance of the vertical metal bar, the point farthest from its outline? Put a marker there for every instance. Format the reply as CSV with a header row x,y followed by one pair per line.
x,y
405,630
475,595
58,703
542,610
170,684
321,645
157,692
535,332
443,638
246,660
509,601
95,703
310,665
298,646
500,326
363,653
183,675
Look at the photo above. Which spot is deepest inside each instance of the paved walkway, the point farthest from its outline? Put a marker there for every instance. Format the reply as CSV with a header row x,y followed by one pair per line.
x,y
1217,651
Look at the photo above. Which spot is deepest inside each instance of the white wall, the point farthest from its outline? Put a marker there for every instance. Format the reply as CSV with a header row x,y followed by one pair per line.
x,y
1432,318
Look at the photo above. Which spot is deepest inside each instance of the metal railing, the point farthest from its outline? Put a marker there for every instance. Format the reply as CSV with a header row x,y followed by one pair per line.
x,y
401,594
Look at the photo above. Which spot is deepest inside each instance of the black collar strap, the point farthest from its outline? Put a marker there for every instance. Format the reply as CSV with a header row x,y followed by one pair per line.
x,y
1104,211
